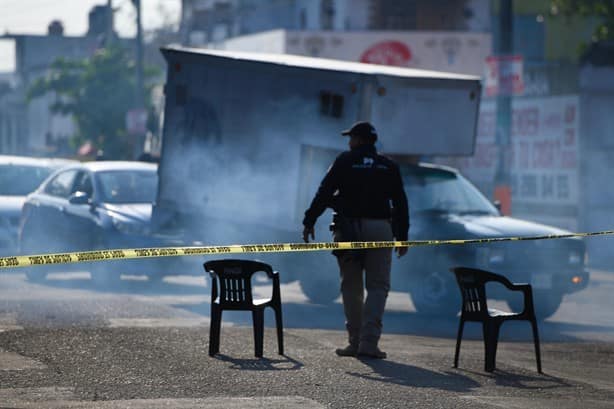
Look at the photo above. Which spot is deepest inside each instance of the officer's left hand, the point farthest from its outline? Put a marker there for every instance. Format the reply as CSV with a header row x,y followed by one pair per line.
x,y
401,251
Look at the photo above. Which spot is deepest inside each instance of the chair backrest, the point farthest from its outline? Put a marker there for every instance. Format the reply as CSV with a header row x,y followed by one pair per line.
x,y
471,283
234,278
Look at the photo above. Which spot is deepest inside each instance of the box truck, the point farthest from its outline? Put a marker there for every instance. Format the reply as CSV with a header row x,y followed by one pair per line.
x,y
247,138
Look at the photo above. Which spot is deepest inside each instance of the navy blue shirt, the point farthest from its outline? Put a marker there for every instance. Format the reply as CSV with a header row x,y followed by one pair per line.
x,y
361,183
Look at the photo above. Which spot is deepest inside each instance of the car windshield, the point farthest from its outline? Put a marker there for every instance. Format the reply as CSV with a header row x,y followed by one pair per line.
x,y
19,180
441,191
128,186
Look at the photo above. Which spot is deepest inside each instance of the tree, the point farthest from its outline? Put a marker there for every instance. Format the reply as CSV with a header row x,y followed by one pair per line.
x,y
602,9
97,92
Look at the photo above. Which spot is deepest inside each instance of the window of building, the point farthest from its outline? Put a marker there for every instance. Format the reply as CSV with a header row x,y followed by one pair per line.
x,y
303,20
327,14
392,15
331,104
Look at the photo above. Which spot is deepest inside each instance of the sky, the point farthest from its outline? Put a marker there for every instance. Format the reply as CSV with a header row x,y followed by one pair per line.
x,y
33,17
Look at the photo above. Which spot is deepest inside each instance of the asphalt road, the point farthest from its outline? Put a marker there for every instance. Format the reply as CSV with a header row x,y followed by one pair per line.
x,y
66,343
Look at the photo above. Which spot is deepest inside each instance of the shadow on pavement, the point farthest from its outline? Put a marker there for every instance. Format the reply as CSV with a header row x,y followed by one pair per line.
x,y
317,316
518,381
408,375
262,364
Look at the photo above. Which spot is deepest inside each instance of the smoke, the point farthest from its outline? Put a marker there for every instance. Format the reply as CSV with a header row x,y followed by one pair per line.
x,y
231,173
242,177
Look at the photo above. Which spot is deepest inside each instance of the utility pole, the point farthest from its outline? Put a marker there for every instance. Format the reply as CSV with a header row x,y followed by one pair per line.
x,y
139,55
503,192
139,92
109,32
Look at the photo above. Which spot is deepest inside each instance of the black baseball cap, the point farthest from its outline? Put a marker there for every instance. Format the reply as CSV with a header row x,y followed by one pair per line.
x,y
361,129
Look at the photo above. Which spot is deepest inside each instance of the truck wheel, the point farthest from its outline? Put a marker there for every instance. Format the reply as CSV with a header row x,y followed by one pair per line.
x,y
320,290
436,293
546,303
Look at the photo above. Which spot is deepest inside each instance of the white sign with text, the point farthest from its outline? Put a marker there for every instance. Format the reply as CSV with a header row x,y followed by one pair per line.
x,y
544,157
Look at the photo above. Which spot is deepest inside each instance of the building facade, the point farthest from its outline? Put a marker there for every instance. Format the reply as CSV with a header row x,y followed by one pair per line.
x,y
28,127
209,21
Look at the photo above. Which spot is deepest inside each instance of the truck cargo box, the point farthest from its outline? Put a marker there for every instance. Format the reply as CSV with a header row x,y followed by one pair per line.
x,y
234,124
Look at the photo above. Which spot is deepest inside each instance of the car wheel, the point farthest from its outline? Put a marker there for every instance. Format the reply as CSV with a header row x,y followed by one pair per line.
x,y
320,290
436,293
30,241
28,245
546,303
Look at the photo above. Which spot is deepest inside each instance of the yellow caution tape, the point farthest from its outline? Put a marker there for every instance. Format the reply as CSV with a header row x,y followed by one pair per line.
x,y
125,254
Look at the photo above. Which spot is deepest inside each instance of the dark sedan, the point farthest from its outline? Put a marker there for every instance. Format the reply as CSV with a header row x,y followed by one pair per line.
x,y
95,205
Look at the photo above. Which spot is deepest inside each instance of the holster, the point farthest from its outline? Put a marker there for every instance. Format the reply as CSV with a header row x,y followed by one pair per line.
x,y
344,230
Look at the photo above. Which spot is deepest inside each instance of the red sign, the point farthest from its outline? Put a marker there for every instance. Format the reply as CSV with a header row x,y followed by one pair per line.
x,y
387,53
504,75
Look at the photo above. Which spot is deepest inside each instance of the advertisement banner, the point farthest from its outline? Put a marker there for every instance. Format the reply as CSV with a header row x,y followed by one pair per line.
x,y
544,155
463,53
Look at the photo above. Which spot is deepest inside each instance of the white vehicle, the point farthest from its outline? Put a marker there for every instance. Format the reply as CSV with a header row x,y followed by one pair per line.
x,y
19,175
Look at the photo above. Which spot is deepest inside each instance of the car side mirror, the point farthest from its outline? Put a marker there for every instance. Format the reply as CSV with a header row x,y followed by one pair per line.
x,y
79,198
497,204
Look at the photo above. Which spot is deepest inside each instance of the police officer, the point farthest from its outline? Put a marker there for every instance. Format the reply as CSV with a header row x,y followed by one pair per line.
x,y
361,186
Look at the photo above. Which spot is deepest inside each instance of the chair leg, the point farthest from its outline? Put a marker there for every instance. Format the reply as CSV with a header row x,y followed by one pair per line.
x,y
459,337
214,330
536,342
491,339
280,329
485,334
258,318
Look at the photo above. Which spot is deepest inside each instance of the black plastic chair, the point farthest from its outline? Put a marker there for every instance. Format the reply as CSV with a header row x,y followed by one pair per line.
x,y
235,293
472,282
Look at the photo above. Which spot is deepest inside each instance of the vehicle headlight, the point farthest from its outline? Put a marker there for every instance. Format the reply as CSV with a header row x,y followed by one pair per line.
x,y
132,228
575,257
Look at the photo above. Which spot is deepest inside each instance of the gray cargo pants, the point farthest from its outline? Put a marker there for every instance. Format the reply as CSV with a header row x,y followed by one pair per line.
x,y
364,317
